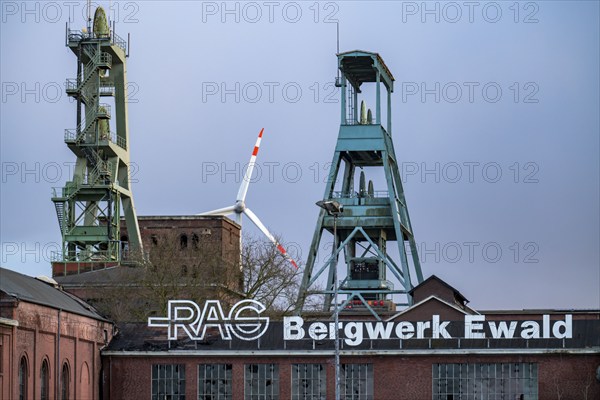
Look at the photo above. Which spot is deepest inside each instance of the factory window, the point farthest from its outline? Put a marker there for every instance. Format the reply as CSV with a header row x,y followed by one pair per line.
x,y
44,380
261,382
309,382
23,378
65,382
356,381
498,381
214,381
168,381
195,240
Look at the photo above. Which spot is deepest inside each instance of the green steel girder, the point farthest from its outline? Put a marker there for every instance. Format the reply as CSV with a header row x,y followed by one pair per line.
x,y
89,206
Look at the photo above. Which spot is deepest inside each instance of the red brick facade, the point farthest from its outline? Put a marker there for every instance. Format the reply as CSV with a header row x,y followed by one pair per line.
x,y
395,377
37,333
402,369
221,231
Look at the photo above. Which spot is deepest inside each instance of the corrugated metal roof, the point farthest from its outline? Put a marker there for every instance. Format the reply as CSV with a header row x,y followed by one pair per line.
x,y
29,289
359,67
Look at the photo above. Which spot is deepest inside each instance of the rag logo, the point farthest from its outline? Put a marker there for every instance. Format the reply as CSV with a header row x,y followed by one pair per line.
x,y
244,320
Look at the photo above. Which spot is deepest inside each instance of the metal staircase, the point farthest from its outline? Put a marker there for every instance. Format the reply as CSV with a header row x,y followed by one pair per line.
x,y
60,213
90,205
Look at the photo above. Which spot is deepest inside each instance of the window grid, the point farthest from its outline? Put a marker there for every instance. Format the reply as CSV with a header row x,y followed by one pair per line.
x,y
261,382
500,381
168,382
214,381
357,382
309,382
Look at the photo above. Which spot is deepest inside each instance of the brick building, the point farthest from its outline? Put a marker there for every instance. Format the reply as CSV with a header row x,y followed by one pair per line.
x,y
196,252
439,348
50,341
185,231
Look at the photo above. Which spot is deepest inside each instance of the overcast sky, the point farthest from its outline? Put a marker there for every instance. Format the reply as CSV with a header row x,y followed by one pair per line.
x,y
495,126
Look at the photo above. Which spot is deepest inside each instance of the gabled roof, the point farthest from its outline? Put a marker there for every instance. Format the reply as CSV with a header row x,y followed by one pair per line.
x,y
435,278
430,298
32,290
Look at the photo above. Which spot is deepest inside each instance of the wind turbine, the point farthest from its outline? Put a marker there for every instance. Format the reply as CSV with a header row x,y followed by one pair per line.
x,y
240,208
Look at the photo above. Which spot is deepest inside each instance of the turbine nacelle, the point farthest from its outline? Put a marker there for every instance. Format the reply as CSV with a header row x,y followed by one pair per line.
x,y
240,208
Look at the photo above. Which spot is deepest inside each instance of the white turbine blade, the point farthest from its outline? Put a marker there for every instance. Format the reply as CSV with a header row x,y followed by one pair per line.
x,y
220,211
246,181
264,230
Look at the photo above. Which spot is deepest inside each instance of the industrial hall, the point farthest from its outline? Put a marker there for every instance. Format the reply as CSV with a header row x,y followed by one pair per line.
x,y
185,307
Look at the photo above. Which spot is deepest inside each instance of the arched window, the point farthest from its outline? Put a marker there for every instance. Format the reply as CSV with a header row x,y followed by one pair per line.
x,y
65,382
23,377
44,381
183,241
124,243
195,240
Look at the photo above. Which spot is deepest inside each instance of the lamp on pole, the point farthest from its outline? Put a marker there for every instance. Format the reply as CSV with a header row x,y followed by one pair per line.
x,y
334,209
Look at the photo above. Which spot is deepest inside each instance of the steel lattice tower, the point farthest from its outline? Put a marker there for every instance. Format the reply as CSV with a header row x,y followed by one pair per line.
x,y
89,206
369,219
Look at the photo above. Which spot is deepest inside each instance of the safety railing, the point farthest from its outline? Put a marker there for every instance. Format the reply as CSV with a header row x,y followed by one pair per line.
x,y
70,135
119,41
104,111
103,59
118,140
71,85
353,121
362,194
106,88
76,36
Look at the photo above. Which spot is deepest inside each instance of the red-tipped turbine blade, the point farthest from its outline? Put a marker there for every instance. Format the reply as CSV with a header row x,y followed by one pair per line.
x,y
248,175
266,232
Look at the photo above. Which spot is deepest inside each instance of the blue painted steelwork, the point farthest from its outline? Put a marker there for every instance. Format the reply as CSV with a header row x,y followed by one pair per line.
x,y
370,219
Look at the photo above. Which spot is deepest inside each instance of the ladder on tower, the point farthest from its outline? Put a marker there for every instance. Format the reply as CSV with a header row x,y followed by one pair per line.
x,y
351,106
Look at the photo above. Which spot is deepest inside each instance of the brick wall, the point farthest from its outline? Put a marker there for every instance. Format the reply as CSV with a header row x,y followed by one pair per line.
x,y
395,377
36,337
